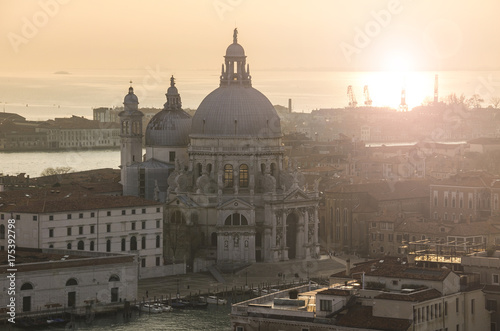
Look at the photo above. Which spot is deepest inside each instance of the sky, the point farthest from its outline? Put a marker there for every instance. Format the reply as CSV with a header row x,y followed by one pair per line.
x,y
358,35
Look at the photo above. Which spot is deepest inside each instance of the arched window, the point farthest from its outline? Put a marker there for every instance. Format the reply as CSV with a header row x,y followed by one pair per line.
x,y
133,243
26,286
51,246
108,245
243,175
209,168
71,282
158,242
2,231
81,245
273,169
143,243
228,175
68,246
124,245
114,278
92,245
199,169
236,219
213,239
177,217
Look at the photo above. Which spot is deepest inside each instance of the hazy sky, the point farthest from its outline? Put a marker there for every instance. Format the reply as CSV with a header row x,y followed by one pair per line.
x,y
50,35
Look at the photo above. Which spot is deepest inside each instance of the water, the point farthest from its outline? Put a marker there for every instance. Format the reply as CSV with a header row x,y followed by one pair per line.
x,y
33,163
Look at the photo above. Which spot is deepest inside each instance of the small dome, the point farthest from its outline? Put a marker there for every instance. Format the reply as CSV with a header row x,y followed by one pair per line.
x,y
235,50
172,90
236,110
169,128
130,98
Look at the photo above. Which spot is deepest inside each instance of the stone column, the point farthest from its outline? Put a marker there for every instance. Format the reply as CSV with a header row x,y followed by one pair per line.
x,y
284,248
307,245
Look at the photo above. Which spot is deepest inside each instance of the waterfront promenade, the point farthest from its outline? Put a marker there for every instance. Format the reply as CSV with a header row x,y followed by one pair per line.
x,y
255,276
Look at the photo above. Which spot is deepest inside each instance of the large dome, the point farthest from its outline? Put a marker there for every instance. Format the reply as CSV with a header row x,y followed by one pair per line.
x,y
169,128
236,110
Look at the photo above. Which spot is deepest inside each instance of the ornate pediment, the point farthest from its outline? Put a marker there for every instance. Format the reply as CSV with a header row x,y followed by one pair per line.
x,y
235,203
181,201
296,194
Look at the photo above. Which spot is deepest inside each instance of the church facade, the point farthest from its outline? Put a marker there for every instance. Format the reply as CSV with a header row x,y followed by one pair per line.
x,y
230,195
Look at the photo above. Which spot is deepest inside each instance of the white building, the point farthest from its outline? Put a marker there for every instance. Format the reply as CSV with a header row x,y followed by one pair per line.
x,y
88,223
54,278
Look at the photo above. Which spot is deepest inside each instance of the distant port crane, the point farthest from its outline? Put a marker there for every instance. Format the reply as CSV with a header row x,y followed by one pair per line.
x,y
368,101
352,98
403,106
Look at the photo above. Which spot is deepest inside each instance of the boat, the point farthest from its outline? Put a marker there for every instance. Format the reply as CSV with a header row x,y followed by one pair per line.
x,y
214,300
164,308
150,308
199,304
179,304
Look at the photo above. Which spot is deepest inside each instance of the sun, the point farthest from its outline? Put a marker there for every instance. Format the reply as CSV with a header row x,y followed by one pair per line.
x,y
398,63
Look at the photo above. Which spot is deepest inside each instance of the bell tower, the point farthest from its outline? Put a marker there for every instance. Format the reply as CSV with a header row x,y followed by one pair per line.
x,y
130,133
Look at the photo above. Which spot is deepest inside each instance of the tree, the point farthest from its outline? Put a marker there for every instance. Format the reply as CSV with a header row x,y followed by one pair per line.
x,y
495,102
55,171
474,101
453,99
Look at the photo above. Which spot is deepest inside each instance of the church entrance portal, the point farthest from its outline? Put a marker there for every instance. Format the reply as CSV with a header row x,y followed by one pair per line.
x,y
291,235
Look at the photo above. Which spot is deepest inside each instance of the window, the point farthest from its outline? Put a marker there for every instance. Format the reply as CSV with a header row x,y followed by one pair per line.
x,y
80,230
171,156
114,278
456,305
158,242
158,261
92,245
143,263
26,286
143,243
472,303
92,229
133,225
236,219
123,244
2,231
143,225
158,209
68,231
133,243
92,214
2,216
108,213
133,211
80,246
243,175
68,216
177,218
123,212
35,218
108,245
374,225
495,279
80,215
390,237
51,233
51,217
18,217
71,282
157,224
144,210
381,236
228,175
68,246
325,305
108,227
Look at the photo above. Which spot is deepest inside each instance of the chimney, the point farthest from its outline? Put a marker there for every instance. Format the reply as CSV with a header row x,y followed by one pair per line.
x,y
289,105
348,267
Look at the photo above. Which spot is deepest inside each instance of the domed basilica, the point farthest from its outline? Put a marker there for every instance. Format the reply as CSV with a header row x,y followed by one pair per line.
x,y
230,195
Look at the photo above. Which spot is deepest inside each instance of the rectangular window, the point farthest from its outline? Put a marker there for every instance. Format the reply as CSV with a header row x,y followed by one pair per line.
x,y
325,305
399,238
446,308
491,305
69,216
133,211
80,215
143,225
456,305
1,216
157,224
158,209
472,303
171,156
123,212
143,262
108,227
374,237
240,328
80,230
144,210
92,214
158,261
495,279
18,217
51,217
92,229
51,233
108,213
133,225
68,231
391,237
381,237
35,218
